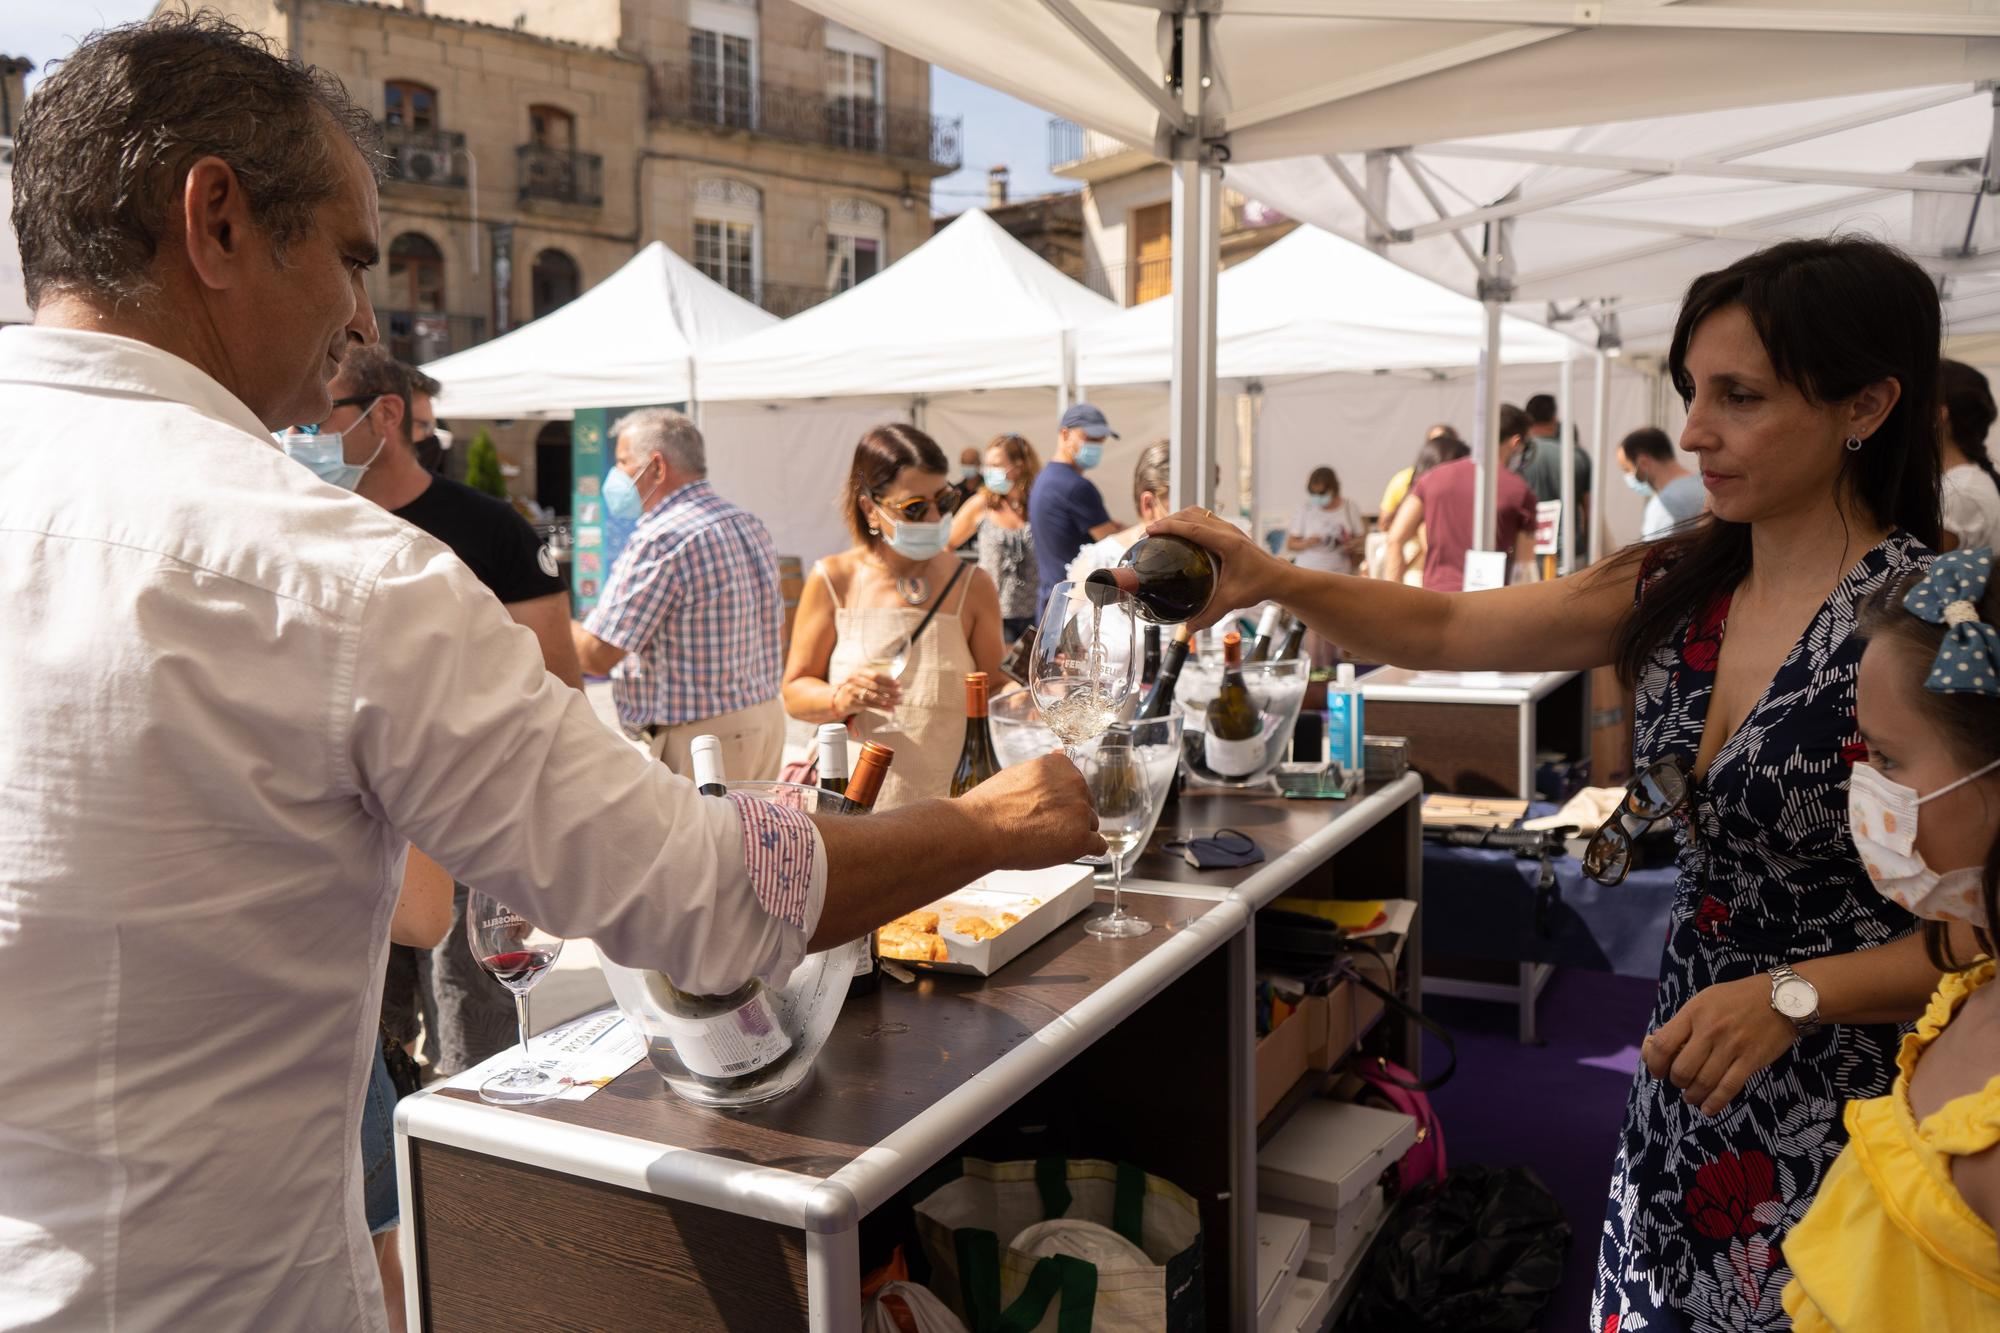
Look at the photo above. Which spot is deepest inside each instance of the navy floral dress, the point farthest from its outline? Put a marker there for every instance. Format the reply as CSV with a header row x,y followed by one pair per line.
x,y
1699,1208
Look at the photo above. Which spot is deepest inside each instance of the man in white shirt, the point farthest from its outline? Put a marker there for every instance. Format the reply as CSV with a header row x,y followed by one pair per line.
x,y
234,693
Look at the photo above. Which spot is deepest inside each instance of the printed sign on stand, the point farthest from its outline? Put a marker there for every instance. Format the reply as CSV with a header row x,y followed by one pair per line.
x,y
1548,527
1485,570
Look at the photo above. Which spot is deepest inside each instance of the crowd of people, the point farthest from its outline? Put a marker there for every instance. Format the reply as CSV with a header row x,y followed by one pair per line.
x,y
259,654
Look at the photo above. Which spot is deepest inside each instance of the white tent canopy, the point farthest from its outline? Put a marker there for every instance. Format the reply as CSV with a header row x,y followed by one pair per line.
x,y
1312,304
629,340
971,308
1623,214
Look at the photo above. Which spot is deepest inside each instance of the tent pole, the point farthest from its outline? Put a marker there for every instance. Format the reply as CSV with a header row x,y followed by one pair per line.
x,y
694,399
1486,444
1565,450
1600,428
1197,238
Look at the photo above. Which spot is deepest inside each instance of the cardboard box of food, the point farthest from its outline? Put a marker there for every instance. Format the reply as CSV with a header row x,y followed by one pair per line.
x,y
1282,1053
990,922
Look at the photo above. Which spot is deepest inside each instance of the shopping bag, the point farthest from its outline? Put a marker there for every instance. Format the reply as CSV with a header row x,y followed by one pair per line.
x,y
905,1307
969,1225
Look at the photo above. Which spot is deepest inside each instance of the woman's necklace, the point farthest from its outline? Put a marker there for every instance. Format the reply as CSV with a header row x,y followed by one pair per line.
x,y
914,589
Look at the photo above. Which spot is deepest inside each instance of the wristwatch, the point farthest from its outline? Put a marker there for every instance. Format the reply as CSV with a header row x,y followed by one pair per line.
x,y
1795,998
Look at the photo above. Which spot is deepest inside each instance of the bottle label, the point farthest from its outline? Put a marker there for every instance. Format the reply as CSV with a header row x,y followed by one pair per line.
x,y
745,1039
1233,759
1344,727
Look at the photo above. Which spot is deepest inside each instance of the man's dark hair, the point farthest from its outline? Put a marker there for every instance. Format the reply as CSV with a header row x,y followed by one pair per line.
x,y
1542,409
422,383
106,142
1513,421
370,369
1647,442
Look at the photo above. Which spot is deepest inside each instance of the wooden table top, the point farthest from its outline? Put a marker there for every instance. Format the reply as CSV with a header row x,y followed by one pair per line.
x,y
891,1055
1277,825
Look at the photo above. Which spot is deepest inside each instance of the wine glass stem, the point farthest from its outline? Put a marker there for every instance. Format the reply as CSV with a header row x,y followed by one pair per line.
x,y
521,1018
1117,885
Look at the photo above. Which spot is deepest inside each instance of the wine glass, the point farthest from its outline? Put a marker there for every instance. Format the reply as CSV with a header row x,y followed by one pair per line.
x,y
1123,799
1085,670
515,952
886,649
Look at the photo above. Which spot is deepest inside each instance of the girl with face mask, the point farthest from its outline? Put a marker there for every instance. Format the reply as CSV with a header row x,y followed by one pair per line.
x,y
995,523
888,629
1902,1233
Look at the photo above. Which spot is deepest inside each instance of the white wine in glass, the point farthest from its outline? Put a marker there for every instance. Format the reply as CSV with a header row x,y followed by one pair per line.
x,y
1122,797
1085,670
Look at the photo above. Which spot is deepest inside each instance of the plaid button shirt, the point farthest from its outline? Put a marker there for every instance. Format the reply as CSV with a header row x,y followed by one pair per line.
x,y
694,601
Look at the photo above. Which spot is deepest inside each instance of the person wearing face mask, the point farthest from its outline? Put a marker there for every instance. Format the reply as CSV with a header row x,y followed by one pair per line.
x,y
691,624
1066,511
431,441
995,517
1328,531
888,629
1901,1234
970,479
1673,494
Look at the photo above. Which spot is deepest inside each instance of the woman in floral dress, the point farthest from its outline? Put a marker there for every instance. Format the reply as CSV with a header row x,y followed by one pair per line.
x,y
1810,373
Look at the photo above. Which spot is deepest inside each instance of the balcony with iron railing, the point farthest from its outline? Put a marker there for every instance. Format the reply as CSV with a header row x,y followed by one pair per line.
x,y
1080,154
560,175
417,336
692,96
423,157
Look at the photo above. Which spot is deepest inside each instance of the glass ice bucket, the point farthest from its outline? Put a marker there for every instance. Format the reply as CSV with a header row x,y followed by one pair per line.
x,y
1278,689
756,1043
1020,736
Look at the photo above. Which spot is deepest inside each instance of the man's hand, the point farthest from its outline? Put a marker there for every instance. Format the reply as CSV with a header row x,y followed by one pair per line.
x,y
1718,1041
1038,813
1248,572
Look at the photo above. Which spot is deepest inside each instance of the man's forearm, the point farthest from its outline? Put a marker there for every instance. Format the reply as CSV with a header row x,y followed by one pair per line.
x,y
593,654
881,866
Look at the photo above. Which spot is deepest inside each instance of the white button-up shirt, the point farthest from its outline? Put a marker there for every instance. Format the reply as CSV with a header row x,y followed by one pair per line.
x,y
230,696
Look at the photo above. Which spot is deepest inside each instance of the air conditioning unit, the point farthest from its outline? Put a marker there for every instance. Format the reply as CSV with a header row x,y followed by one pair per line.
x,y
424,164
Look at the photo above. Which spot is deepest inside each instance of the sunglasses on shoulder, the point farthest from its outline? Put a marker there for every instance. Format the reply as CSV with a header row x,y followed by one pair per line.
x,y
918,509
1660,791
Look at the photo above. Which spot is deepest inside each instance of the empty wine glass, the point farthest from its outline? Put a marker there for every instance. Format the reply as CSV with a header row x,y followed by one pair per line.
x,y
1122,796
516,952
1085,670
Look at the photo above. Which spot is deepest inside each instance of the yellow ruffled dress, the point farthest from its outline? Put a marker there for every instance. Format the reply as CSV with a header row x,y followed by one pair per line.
x,y
1889,1243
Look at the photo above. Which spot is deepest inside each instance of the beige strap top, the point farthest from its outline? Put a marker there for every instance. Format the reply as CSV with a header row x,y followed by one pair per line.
x,y
927,728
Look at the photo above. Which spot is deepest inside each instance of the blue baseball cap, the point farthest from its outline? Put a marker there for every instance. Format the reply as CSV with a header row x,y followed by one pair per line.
x,y
1086,418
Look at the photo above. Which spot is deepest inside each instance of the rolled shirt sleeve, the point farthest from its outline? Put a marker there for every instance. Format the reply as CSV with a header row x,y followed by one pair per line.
x,y
457,737
639,596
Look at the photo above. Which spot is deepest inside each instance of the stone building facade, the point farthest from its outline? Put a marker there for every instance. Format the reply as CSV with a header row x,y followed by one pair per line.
x,y
536,145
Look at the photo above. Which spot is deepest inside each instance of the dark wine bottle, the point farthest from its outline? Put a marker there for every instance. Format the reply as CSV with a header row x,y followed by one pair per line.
x,y
1295,637
1233,746
1267,631
832,744
1171,578
863,789
705,757
1149,668
976,759
1161,700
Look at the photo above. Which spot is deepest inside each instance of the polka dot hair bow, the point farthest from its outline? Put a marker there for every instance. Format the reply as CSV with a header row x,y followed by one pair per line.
x,y
1968,662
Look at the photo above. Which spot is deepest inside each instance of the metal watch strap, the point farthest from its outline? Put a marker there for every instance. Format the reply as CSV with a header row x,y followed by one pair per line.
x,y
1810,1023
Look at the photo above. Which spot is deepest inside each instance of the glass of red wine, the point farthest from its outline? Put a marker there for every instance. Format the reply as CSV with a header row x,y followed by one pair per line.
x,y
516,952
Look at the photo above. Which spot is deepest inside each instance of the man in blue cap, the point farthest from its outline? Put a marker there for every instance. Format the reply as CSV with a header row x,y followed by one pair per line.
x,y
1065,511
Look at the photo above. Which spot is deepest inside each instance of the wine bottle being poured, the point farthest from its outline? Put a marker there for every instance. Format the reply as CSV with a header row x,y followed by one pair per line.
x,y
1170,578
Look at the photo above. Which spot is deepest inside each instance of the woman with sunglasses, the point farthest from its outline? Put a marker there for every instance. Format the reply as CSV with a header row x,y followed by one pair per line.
x,y
888,629
1810,372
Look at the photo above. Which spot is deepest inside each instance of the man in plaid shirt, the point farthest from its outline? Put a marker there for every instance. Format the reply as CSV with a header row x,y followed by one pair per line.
x,y
691,623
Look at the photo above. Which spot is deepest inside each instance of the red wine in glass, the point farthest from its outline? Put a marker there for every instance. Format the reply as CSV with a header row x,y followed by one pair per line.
x,y
515,952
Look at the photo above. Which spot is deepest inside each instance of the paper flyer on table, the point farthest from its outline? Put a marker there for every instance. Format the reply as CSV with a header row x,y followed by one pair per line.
x,y
587,1052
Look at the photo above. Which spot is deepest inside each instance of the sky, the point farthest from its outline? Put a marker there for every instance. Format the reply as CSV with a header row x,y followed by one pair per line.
x,y
998,130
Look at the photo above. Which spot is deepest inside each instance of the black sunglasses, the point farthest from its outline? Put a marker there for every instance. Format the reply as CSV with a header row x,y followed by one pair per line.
x,y
918,509
1660,791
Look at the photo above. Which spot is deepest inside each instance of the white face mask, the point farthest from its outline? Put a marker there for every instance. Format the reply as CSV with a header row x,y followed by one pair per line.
x,y
1882,815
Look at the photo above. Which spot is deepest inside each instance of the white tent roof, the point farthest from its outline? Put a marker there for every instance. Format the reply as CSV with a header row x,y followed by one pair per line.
x,y
1311,304
1315,76
625,342
1626,213
13,296
971,308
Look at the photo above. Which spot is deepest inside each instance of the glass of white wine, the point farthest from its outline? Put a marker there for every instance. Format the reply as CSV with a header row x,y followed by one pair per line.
x,y
1085,670
1123,799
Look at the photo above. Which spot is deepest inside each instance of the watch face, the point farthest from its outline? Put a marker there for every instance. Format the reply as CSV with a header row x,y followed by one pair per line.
x,y
1796,998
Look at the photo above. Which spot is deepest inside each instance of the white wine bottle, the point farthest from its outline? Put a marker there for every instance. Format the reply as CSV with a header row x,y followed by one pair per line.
x,y
1234,744
832,742
726,1041
976,759
1267,633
